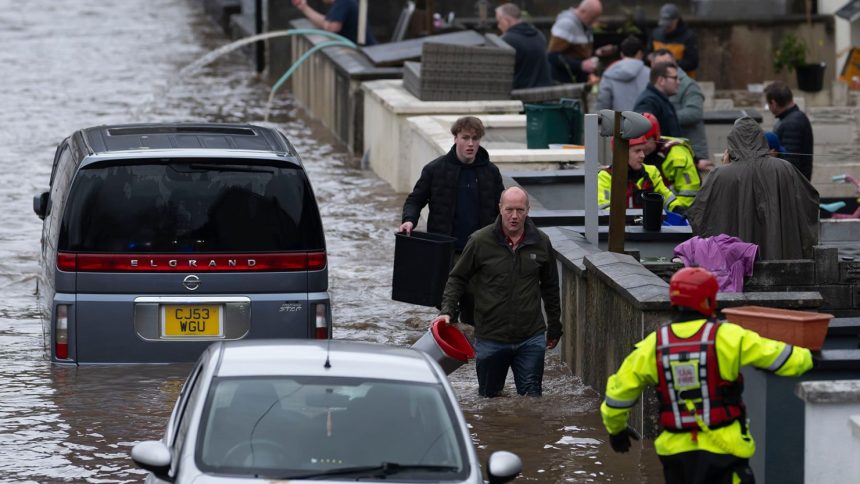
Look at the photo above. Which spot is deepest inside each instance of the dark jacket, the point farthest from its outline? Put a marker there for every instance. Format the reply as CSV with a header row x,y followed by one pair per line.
x,y
510,285
655,102
758,198
681,42
795,133
531,69
438,185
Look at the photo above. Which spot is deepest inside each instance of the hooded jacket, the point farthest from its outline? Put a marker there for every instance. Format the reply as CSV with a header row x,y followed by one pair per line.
x,y
758,199
438,185
531,68
621,84
681,42
510,285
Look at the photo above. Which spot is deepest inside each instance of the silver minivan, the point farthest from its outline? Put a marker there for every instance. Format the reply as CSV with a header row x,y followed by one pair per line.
x,y
161,238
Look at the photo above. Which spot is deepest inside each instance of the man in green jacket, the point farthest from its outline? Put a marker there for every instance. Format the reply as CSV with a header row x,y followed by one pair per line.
x,y
511,266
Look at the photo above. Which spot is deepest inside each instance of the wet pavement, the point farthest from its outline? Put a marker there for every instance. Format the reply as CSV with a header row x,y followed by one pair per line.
x,y
68,65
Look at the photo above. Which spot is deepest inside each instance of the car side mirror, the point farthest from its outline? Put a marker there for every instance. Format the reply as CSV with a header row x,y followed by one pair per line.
x,y
41,203
503,466
154,456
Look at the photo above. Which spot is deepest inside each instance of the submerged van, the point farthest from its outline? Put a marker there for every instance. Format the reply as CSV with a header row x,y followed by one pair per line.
x,y
161,238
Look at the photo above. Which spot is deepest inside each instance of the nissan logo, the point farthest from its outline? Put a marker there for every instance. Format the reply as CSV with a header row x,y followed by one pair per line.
x,y
191,282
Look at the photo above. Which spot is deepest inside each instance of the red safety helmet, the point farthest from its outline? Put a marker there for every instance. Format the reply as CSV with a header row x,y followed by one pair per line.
x,y
632,142
654,132
694,288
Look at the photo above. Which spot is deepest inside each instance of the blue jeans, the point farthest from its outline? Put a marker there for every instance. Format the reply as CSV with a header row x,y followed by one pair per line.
x,y
492,360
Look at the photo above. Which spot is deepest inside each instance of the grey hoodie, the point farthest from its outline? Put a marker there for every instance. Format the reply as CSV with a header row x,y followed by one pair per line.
x,y
689,106
621,84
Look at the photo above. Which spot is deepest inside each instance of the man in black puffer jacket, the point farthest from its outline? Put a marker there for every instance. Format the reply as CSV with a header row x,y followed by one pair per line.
x,y
531,68
462,188
792,127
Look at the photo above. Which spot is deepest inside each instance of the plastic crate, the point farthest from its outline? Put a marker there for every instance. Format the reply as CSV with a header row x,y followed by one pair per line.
x,y
800,328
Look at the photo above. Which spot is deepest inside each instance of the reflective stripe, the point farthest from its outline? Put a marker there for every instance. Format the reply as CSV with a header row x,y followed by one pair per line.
x,y
664,333
691,355
613,403
670,200
781,359
603,206
687,193
706,397
672,345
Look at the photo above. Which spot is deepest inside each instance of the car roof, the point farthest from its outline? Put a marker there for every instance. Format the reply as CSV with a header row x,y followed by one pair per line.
x,y
179,137
308,358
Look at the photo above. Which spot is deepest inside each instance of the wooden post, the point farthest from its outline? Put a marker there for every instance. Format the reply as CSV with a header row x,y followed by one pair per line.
x,y
618,197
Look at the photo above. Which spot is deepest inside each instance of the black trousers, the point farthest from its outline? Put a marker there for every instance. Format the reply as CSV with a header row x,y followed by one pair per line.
x,y
700,467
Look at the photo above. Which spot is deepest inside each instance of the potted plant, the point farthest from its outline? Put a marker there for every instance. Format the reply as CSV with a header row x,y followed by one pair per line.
x,y
790,55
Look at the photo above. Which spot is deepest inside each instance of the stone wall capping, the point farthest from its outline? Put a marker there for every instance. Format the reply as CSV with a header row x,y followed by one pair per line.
x,y
775,299
854,421
829,391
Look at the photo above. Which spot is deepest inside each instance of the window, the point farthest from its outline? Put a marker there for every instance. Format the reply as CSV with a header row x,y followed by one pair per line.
x,y
191,206
282,427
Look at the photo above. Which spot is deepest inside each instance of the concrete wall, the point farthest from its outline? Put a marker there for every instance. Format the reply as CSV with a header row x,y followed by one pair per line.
x,y
328,85
831,444
387,108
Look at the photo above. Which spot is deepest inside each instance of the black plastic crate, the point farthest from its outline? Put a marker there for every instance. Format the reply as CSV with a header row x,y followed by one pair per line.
x,y
421,265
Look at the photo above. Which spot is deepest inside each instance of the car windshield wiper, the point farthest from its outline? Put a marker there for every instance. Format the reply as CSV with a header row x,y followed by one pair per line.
x,y
384,469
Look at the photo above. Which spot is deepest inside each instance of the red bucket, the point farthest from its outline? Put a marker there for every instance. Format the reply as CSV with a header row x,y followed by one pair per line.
x,y
447,345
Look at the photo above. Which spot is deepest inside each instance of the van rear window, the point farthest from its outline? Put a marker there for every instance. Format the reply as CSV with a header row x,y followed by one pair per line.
x,y
191,206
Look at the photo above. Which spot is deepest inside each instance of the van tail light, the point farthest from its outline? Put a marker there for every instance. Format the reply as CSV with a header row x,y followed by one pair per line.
x,y
322,322
61,332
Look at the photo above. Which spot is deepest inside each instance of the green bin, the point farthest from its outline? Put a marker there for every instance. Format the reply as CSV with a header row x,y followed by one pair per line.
x,y
554,123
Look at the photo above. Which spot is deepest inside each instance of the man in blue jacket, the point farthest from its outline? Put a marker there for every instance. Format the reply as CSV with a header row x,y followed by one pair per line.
x,y
342,18
531,68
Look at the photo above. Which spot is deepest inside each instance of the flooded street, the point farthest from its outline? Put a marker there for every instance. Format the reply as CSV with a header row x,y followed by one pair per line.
x,y
68,65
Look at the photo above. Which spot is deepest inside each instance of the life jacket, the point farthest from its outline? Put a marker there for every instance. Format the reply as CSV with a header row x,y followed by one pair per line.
x,y
688,370
636,188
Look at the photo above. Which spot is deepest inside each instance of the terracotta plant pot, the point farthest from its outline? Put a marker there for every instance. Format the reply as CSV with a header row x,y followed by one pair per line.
x,y
800,328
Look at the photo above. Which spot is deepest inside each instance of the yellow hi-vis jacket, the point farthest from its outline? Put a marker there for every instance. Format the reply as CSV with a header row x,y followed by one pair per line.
x,y
678,166
604,188
735,347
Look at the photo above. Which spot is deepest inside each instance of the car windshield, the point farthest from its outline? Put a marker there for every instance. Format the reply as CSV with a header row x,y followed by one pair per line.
x,y
167,206
289,428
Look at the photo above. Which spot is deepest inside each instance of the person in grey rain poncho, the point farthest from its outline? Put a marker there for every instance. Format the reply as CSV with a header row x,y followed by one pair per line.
x,y
758,198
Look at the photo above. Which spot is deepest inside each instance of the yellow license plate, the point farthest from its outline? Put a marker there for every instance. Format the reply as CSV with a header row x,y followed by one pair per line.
x,y
184,320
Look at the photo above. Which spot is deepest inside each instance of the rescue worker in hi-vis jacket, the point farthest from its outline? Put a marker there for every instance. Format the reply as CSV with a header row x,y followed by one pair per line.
x,y
694,362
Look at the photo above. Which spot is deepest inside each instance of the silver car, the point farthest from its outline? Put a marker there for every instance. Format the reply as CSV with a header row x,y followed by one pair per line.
x,y
324,411
161,238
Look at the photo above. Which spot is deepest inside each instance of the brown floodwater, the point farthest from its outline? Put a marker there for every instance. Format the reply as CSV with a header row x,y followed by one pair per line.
x,y
68,65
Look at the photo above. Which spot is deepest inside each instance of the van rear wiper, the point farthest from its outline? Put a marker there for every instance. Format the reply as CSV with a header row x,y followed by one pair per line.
x,y
384,469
